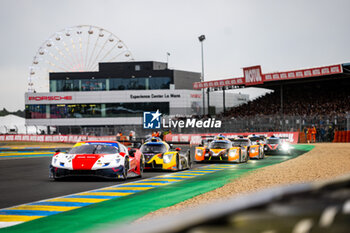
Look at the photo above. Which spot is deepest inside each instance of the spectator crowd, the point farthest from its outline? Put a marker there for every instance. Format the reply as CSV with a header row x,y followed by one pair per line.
x,y
298,100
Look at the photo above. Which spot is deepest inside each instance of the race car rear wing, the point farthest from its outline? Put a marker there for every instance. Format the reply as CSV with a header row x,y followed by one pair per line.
x,y
278,138
137,143
236,137
206,140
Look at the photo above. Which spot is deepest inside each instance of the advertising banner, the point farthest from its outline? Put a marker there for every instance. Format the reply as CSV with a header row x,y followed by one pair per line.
x,y
253,75
196,139
53,138
219,83
306,73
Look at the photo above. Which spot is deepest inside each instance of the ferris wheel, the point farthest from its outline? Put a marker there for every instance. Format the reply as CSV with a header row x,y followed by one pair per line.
x,y
75,49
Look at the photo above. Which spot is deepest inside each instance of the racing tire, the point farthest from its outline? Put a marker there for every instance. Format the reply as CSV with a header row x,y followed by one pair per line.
x,y
142,166
54,178
126,169
52,175
189,160
178,165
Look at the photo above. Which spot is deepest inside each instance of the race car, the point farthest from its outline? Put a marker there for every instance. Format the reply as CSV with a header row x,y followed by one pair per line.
x,y
222,149
275,145
109,159
159,155
256,150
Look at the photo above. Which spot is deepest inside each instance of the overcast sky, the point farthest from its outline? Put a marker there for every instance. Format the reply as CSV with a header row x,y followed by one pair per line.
x,y
278,35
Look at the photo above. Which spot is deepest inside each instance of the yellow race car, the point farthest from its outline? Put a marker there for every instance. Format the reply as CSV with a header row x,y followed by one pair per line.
x,y
160,155
223,149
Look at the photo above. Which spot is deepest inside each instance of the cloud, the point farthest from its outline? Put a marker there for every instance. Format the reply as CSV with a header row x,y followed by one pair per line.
x,y
278,35
13,86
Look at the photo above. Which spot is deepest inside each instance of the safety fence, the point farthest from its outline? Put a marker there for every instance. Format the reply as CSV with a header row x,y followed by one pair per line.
x,y
276,123
53,138
291,137
342,136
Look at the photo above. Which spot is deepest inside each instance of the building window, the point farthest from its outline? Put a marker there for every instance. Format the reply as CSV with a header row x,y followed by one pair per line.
x,y
93,84
137,67
135,109
159,83
35,111
75,110
64,85
127,84
56,111
139,83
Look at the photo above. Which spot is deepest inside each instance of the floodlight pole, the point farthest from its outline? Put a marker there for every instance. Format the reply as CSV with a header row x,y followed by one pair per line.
x,y
201,39
223,99
282,110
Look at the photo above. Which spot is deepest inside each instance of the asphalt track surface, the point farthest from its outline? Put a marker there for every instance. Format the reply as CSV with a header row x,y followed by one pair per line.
x,y
25,180
115,207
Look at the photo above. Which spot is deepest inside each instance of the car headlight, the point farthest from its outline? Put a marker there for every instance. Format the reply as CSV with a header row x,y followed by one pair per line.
x,y
167,158
69,157
285,147
232,153
199,152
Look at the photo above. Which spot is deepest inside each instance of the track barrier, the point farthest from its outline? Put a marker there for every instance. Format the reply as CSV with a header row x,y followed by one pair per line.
x,y
53,138
342,136
195,139
293,137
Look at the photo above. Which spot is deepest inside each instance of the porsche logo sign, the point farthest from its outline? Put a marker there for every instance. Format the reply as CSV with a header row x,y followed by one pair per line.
x,y
51,98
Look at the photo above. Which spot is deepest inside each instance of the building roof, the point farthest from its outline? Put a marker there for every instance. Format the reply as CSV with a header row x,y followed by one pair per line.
x,y
254,77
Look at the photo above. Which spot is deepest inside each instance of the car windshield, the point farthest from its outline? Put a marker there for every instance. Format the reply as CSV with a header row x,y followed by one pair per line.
x,y
219,145
273,141
254,140
240,143
94,149
153,148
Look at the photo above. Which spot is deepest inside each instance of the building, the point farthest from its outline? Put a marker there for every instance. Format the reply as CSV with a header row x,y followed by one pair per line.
x,y
114,97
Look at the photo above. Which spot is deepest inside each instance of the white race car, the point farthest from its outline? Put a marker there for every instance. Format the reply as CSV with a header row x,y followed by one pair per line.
x,y
108,159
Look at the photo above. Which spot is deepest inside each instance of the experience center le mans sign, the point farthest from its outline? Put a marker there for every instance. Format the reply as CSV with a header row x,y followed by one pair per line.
x,y
254,76
155,96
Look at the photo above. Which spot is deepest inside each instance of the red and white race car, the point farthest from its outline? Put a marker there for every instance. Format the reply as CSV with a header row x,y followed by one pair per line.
x,y
109,159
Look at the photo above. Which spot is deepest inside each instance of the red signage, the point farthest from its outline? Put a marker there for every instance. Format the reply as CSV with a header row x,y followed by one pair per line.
x,y
54,138
56,98
195,139
252,75
219,83
306,73
196,96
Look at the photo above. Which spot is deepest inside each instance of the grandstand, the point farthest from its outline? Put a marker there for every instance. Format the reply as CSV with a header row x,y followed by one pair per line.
x,y
317,97
324,98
